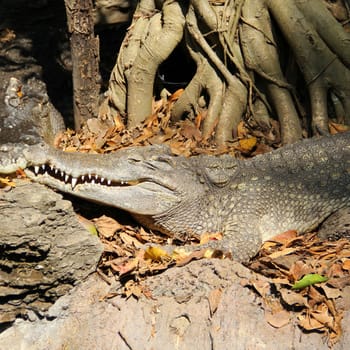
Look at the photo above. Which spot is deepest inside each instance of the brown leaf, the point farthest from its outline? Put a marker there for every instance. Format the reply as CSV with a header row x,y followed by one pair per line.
x,y
242,131
334,128
128,267
185,258
214,300
278,319
285,262
107,226
331,293
97,127
285,238
198,120
132,288
262,287
322,315
309,323
189,131
118,123
247,145
7,35
340,282
282,252
115,263
20,173
336,270
278,280
293,298
114,249
5,181
130,241
175,96
315,295
299,269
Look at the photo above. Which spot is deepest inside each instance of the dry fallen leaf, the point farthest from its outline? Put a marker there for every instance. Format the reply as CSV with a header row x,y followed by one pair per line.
x,y
285,237
309,323
175,96
346,265
129,240
156,254
334,128
278,319
292,298
133,289
247,145
214,300
107,226
331,293
283,252
7,35
6,181
184,258
128,267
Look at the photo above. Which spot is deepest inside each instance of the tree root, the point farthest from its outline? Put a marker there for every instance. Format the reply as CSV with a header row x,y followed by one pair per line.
x,y
151,39
323,70
243,51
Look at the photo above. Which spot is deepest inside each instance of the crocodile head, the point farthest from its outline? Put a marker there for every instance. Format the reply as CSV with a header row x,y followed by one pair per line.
x,y
144,181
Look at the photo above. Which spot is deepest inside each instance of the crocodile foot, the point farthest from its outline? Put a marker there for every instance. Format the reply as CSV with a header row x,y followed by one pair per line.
x,y
336,226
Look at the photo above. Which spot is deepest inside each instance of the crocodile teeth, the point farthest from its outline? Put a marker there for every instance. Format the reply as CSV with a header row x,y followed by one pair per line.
x,y
66,178
96,177
62,173
89,176
43,167
36,170
102,179
82,178
93,181
56,171
109,182
74,181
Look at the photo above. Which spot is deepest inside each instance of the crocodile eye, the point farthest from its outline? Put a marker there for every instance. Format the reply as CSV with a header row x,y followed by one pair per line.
x,y
217,176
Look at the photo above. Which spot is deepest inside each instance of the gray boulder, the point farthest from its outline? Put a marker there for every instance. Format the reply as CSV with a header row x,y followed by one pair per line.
x,y
45,251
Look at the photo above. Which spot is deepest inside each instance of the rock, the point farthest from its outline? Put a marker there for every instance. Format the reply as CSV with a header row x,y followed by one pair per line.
x,y
178,316
45,251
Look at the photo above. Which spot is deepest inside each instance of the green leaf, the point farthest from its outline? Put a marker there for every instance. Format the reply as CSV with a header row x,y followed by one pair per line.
x,y
309,280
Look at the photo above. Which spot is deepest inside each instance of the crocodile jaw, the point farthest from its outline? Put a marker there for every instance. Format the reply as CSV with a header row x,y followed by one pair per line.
x,y
142,198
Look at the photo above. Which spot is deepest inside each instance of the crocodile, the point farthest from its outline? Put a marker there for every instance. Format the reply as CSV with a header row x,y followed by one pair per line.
x,y
249,201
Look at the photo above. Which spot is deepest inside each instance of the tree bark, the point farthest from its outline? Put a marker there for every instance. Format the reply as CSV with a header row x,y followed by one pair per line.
x,y
85,60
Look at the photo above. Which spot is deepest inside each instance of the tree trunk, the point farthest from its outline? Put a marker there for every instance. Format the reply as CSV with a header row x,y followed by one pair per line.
x,y
85,60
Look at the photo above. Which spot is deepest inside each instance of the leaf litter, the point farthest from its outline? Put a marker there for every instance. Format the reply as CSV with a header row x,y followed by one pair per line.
x,y
319,269
307,277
